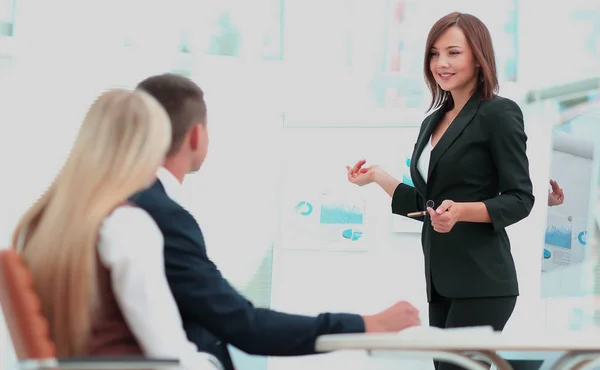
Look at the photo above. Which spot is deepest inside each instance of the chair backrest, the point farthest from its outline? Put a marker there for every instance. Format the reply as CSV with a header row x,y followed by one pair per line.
x,y
22,309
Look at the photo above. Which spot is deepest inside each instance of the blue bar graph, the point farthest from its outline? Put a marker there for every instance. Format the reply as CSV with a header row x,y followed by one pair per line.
x,y
341,214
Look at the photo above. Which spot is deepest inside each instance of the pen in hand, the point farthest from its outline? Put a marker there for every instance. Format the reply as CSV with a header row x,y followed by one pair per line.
x,y
429,204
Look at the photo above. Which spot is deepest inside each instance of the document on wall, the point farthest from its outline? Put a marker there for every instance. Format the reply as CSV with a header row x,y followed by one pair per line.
x,y
326,221
557,241
565,240
402,224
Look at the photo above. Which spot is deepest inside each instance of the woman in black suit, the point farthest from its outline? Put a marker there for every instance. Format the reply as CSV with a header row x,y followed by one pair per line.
x,y
470,160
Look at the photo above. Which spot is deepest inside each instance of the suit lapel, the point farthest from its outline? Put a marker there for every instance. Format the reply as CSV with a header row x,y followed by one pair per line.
x,y
158,186
454,130
429,125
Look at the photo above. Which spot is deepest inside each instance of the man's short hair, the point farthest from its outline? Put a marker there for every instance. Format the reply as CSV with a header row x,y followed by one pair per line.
x,y
182,99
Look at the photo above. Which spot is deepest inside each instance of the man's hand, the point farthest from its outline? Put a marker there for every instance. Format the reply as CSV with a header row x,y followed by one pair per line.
x,y
556,196
400,316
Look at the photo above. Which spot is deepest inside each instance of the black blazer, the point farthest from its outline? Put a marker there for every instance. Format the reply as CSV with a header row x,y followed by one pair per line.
x,y
213,312
480,158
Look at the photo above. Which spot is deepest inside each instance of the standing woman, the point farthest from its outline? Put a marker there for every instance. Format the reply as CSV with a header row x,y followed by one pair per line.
x,y
471,180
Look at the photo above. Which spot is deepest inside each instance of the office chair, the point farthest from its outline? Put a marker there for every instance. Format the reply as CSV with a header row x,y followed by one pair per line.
x,y
29,331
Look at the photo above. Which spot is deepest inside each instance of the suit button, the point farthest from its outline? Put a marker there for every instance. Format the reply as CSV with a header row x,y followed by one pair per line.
x,y
218,343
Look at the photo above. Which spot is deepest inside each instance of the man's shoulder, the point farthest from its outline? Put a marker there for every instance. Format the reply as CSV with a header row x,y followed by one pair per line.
x,y
153,199
167,213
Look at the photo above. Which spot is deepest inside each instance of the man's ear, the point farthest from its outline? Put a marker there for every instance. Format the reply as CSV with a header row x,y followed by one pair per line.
x,y
194,137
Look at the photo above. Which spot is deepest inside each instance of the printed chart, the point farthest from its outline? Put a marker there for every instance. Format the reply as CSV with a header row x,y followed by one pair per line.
x,y
565,241
324,222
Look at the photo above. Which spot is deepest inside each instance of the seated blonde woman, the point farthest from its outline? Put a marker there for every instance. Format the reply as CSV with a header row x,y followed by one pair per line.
x,y
99,284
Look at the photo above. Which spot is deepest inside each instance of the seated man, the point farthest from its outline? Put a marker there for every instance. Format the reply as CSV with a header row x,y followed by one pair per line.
x,y
213,312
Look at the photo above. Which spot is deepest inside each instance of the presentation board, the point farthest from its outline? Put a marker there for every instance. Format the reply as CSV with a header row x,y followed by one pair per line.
x,y
566,269
566,231
325,216
320,207
336,249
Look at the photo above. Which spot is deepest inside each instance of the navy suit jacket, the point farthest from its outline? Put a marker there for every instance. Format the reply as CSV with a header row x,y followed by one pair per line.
x,y
214,314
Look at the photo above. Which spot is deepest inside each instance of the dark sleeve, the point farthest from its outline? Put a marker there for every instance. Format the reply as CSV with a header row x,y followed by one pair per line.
x,y
508,144
204,296
406,199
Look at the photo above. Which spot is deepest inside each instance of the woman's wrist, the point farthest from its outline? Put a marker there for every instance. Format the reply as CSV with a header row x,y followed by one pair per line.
x,y
385,181
379,176
472,212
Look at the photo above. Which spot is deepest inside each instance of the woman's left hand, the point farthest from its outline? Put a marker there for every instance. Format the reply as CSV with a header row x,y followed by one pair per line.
x,y
445,216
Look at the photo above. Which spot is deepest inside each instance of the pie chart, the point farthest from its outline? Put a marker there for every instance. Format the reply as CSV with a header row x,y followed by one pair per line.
x,y
547,254
351,234
582,237
304,208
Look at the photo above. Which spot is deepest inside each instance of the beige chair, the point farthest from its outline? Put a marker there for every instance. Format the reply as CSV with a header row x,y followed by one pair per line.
x,y
28,327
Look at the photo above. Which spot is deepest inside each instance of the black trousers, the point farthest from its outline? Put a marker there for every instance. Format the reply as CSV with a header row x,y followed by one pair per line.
x,y
463,312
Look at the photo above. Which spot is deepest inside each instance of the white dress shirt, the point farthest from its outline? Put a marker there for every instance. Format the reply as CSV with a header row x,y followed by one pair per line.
x,y
131,247
423,161
172,186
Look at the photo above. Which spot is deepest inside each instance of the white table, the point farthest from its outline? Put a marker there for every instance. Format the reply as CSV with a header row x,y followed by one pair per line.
x,y
579,351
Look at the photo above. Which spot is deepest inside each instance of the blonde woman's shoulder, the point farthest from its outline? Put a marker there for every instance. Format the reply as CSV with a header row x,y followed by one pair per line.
x,y
131,230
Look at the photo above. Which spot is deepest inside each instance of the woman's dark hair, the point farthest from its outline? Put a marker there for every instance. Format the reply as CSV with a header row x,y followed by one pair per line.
x,y
480,41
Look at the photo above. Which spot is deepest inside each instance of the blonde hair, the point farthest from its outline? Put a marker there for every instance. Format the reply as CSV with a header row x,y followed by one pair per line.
x,y
120,145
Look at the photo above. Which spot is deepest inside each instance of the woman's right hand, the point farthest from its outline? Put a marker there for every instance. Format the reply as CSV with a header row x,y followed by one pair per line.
x,y
360,175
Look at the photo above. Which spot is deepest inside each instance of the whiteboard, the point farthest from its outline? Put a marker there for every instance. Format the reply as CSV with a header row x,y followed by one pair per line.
x,y
566,237
312,257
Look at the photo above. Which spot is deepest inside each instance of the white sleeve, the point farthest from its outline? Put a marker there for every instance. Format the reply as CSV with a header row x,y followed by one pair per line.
x,y
131,247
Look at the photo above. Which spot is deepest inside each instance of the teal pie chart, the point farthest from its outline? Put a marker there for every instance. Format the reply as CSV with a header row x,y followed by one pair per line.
x,y
582,237
353,235
304,208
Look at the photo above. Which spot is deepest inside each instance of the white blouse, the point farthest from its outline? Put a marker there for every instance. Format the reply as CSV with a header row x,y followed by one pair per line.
x,y
131,247
423,161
